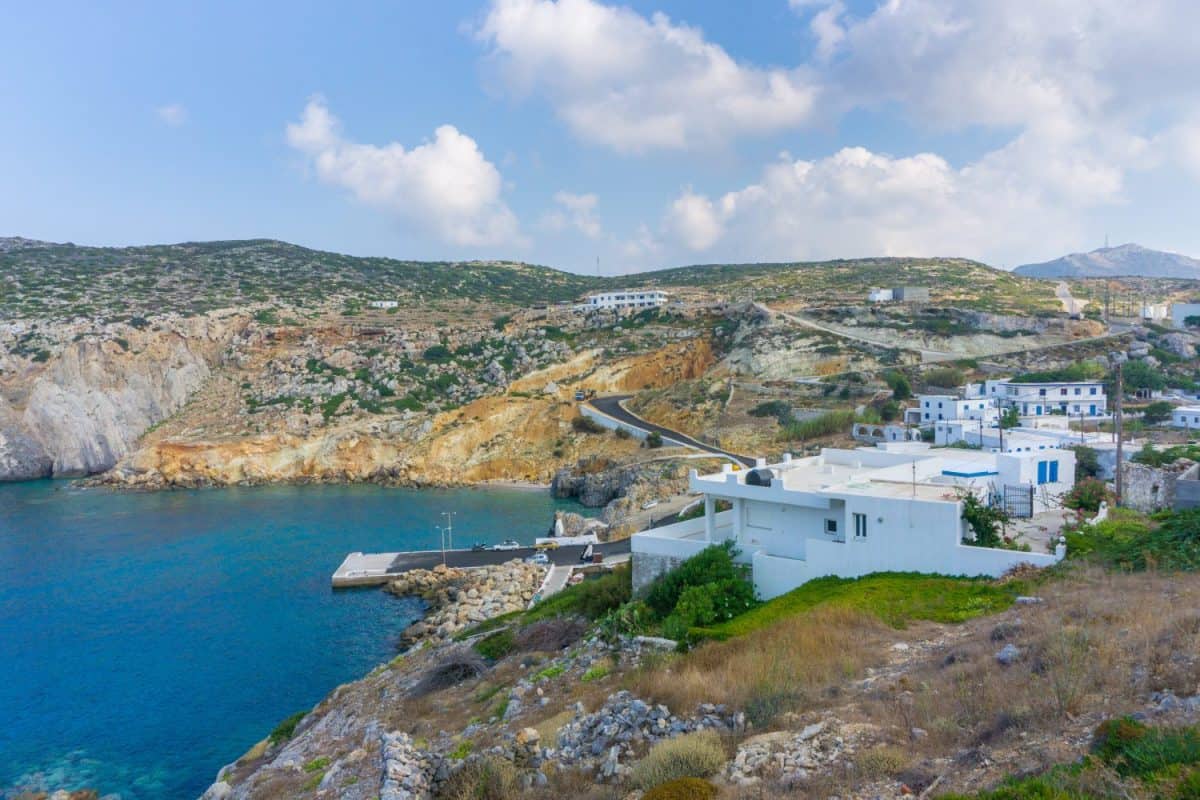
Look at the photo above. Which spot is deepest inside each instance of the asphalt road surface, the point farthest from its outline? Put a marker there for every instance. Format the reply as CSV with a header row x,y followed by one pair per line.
x,y
613,408
428,559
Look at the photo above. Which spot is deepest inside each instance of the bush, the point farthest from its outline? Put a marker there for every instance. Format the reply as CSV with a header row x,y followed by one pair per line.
x,y
984,521
497,645
438,354
693,755
1087,462
682,789
901,388
591,598
712,564
943,378
483,779
1086,495
551,635
583,424
1130,541
827,424
286,729
458,665
654,440
1156,412
1134,750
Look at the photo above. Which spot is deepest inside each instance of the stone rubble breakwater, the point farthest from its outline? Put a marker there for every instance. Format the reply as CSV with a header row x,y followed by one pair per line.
x,y
459,598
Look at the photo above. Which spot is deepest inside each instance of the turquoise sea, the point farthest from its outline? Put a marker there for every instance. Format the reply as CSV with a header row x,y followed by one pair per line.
x,y
148,639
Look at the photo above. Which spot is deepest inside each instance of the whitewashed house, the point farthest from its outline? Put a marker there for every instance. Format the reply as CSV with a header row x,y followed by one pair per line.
x,y
880,296
1186,417
853,512
625,299
932,408
1086,398
384,304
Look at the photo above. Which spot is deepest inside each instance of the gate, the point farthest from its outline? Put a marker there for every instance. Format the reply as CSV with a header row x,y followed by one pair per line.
x,y
1018,501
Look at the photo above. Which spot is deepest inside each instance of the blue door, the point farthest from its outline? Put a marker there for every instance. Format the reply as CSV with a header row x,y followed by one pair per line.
x,y
1092,410
1041,472
1039,411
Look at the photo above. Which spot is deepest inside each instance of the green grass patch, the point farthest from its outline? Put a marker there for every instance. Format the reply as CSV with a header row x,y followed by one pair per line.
x,y
317,764
487,693
552,671
462,750
597,673
895,597
1131,541
591,598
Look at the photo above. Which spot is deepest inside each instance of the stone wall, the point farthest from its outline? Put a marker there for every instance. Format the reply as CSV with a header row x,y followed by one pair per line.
x,y
647,567
1148,489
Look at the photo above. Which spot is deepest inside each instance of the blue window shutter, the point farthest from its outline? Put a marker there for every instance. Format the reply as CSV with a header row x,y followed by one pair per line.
x,y
1054,472
1041,472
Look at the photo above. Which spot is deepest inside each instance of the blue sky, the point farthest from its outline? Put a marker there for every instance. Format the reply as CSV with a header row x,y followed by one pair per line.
x,y
647,134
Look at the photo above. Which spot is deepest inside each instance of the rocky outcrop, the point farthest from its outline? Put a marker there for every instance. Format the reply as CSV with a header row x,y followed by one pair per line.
x,y
89,405
459,598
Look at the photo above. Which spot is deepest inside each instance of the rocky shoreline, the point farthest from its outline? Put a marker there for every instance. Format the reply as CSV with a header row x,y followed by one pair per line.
x,y
459,598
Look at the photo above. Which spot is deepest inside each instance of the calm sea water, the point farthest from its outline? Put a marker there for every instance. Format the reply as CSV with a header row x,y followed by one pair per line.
x,y
148,639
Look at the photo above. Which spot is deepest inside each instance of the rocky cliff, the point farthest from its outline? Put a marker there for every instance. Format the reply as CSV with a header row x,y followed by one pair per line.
x,y
82,408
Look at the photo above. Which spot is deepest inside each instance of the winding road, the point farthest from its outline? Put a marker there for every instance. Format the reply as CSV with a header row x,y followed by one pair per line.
x,y
613,407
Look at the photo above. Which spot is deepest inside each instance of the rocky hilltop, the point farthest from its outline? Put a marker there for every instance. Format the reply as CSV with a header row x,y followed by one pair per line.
x,y
1122,260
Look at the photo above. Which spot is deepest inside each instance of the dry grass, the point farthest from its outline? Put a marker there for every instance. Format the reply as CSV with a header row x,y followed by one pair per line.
x,y
1096,648
772,670
483,779
693,755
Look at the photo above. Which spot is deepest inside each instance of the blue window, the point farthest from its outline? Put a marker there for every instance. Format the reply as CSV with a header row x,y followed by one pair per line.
x,y
1093,390
1053,472
1042,470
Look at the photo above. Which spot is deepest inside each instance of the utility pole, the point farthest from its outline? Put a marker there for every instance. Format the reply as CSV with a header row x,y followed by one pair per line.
x,y
1118,428
449,515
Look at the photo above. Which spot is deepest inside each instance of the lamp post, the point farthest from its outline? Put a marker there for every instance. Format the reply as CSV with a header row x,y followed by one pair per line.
x,y
449,515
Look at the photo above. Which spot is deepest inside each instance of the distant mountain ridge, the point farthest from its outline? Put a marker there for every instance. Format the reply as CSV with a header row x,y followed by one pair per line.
x,y
1110,262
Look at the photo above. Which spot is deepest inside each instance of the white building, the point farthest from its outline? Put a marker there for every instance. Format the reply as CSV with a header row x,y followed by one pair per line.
x,y
1155,312
627,298
383,304
934,407
854,512
880,296
1186,417
1181,311
1075,398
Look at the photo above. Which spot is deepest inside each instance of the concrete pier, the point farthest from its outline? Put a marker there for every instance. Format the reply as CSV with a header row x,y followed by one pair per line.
x,y
375,569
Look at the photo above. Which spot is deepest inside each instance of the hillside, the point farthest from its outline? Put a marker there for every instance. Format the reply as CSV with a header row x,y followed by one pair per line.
x,y
1122,260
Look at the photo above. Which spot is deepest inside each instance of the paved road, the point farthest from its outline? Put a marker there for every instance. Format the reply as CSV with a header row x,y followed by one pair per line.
x,y
613,408
428,559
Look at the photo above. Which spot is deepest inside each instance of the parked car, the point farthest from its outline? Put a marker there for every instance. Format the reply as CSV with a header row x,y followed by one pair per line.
x,y
507,544
539,558
479,546
547,545
649,505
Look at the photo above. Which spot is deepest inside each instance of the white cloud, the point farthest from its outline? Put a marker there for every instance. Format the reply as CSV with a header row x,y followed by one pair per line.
x,y
694,221
635,84
860,203
445,185
172,114
576,211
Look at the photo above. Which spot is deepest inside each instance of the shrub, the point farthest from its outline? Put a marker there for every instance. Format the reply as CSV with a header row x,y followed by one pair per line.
x,y
984,520
712,564
317,764
483,779
826,424
458,665
1087,462
715,602
438,353
901,388
1156,412
1127,540
654,440
943,378
1086,495
682,789
591,598
780,409
693,755
497,645
550,635
286,729
1134,750
629,619
584,424
882,762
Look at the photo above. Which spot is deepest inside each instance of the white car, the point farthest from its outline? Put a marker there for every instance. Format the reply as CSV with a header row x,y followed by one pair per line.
x,y
539,558
651,504
507,544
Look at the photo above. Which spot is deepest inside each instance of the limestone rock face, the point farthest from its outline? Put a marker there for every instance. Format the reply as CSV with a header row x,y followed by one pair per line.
x,y
87,407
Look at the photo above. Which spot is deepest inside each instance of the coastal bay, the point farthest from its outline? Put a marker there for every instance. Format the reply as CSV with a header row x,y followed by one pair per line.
x,y
149,638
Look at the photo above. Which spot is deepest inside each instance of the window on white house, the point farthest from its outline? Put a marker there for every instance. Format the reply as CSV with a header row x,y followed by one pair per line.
x,y
831,527
860,526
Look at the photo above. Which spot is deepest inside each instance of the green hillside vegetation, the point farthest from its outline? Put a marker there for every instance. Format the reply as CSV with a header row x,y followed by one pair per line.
x,y
65,280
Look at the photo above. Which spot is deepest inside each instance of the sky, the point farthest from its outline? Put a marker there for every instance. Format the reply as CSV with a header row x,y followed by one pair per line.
x,y
590,136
